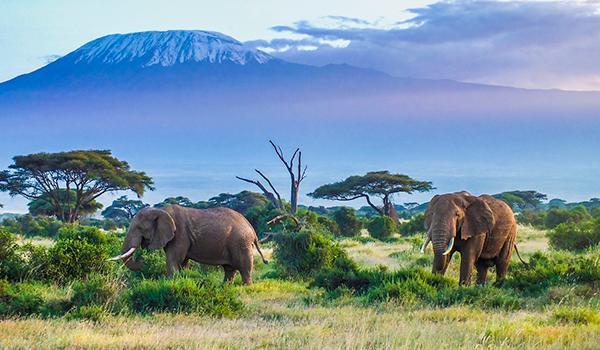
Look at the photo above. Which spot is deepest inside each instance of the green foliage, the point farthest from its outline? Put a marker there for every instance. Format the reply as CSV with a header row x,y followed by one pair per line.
x,y
93,172
307,252
94,313
575,236
241,202
26,299
546,270
80,251
521,200
347,221
11,263
183,294
577,315
122,210
557,216
535,218
381,184
30,226
328,224
382,227
414,226
44,205
95,290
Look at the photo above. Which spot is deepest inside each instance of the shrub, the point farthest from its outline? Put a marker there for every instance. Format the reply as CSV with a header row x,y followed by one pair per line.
x,y
29,226
96,290
532,217
185,295
557,216
306,252
11,264
349,224
26,299
575,236
92,313
382,227
546,270
413,226
79,251
329,225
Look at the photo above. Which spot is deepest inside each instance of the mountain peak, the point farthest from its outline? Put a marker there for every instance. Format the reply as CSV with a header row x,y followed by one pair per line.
x,y
167,48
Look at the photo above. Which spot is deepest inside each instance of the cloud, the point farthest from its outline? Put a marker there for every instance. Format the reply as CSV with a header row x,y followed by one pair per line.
x,y
537,44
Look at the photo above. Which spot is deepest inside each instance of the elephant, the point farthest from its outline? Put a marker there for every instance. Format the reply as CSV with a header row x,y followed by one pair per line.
x,y
215,236
482,229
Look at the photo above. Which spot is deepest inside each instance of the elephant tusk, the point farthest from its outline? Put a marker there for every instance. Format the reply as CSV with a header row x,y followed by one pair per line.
x,y
123,256
427,240
450,246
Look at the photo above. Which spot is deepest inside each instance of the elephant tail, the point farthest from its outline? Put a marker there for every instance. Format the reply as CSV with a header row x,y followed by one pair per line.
x,y
519,255
259,252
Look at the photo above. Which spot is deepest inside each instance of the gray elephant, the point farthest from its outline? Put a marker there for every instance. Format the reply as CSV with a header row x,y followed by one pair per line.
x,y
482,229
217,236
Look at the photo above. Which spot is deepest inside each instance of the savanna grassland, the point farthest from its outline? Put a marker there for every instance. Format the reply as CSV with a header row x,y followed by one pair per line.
x,y
294,313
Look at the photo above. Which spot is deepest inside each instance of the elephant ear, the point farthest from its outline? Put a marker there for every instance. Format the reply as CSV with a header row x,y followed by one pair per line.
x,y
163,229
429,212
479,219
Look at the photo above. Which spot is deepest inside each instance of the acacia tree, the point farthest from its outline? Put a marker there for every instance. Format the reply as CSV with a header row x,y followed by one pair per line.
x,y
380,184
123,209
44,206
86,174
295,170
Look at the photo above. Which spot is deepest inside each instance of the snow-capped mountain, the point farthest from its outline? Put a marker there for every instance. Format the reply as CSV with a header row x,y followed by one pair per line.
x,y
166,49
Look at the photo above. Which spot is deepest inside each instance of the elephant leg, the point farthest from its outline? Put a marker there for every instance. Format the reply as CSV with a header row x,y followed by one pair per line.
x,y
482,270
246,266
174,262
229,273
466,268
503,259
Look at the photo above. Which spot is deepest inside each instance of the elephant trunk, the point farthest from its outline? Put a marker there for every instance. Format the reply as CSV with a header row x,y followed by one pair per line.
x,y
441,240
132,242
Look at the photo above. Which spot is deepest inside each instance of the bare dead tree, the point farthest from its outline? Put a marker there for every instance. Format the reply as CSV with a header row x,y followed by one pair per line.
x,y
274,196
297,174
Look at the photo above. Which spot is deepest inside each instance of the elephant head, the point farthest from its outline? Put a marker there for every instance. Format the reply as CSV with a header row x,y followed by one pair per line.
x,y
451,217
150,228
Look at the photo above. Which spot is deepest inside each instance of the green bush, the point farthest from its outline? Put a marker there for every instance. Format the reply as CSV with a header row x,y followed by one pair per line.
x,y
414,226
557,216
306,252
575,236
29,226
382,227
95,290
349,224
183,294
80,251
92,313
12,265
546,270
329,225
27,299
532,217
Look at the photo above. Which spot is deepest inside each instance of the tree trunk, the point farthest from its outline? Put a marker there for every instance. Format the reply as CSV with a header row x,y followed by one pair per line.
x,y
390,210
